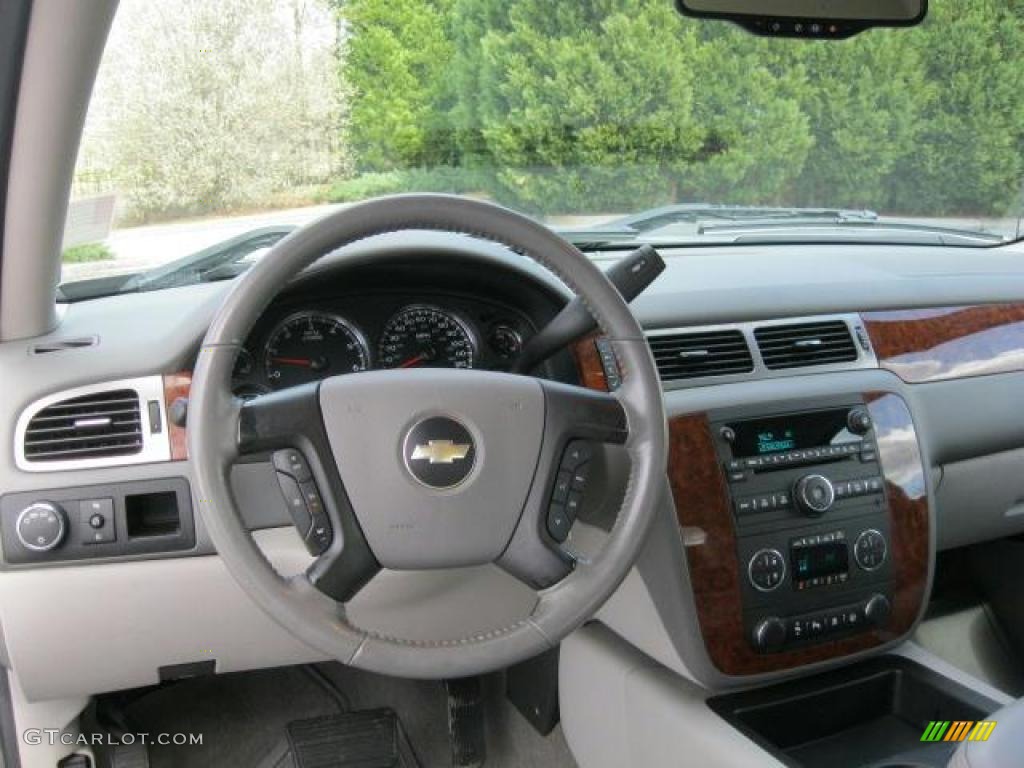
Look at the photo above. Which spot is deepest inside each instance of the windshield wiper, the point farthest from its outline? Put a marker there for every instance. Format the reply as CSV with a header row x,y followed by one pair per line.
x,y
735,224
220,261
656,218
843,230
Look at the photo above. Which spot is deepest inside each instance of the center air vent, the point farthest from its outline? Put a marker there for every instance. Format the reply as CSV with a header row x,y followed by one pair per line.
x,y
704,353
96,425
805,344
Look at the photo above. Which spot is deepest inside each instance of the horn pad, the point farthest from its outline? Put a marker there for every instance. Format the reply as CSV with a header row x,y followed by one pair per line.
x,y
437,463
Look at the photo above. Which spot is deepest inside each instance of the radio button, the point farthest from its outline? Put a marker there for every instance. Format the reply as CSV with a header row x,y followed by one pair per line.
x,y
766,569
737,477
780,499
744,506
873,484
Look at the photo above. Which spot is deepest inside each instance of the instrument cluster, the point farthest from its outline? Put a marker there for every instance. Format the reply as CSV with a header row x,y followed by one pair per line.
x,y
297,344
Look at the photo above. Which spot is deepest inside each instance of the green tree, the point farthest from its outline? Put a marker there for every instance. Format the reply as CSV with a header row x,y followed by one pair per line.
x,y
396,63
203,107
968,156
864,104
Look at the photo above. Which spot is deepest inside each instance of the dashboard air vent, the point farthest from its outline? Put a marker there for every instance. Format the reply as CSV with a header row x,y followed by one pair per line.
x,y
805,344
704,353
96,425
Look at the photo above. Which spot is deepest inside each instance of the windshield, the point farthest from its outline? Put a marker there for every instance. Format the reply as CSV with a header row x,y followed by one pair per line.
x,y
215,128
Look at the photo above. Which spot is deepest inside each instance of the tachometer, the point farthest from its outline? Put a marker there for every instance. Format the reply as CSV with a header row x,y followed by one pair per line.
x,y
425,336
313,345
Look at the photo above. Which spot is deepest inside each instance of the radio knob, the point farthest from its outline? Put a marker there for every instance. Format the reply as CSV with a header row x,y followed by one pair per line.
x,y
814,494
877,610
769,634
858,421
41,526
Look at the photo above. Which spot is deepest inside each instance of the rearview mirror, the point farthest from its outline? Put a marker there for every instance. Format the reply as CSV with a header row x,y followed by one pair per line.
x,y
824,19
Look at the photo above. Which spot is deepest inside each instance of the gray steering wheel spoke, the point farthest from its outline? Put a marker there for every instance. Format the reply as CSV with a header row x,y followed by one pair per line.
x,y
576,422
290,424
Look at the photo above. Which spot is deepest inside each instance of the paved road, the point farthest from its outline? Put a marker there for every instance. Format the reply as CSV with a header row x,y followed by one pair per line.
x,y
141,248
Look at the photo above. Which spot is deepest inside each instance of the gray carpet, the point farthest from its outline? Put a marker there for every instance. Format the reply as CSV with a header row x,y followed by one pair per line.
x,y
243,716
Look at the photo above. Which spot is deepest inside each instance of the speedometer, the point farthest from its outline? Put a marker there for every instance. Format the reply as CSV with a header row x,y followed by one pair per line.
x,y
422,336
313,345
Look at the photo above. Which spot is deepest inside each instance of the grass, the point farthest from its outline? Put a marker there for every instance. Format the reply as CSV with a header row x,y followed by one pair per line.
x,y
78,254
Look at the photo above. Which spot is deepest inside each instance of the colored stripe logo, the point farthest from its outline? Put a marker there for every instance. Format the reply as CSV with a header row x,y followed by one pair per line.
x,y
958,730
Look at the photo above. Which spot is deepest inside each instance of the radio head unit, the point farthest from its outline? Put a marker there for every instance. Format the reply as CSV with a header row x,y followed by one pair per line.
x,y
811,521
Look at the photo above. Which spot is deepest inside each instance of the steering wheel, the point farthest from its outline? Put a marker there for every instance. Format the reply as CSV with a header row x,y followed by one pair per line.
x,y
422,469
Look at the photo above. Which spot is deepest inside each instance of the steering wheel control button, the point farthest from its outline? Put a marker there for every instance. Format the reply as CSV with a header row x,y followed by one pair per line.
x,y
293,463
577,452
40,527
562,485
558,523
579,477
439,452
296,503
573,505
814,494
319,537
314,504
870,549
766,570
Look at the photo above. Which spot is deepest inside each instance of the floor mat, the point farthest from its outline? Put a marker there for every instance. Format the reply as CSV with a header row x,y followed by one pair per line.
x,y
366,739
244,717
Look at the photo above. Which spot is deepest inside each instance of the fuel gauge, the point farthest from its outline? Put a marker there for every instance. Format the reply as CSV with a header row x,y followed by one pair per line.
x,y
505,341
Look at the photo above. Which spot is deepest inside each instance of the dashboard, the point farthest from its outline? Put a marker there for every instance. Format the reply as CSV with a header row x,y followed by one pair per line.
x,y
429,299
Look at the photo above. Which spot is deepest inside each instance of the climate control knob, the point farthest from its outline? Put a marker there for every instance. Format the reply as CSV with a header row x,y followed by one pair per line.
x,y
769,634
766,569
870,549
814,494
41,526
877,610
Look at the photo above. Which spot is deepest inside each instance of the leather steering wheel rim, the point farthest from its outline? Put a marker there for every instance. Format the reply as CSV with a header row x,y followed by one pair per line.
x,y
216,424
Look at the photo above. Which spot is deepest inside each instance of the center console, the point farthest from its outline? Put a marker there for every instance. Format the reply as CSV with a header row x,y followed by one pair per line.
x,y
806,527
807,496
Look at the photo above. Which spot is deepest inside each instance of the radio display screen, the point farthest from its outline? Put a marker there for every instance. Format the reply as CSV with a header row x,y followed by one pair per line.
x,y
817,560
790,433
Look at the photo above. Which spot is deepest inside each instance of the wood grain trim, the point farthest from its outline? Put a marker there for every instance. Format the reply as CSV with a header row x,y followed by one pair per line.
x,y
920,345
176,385
702,501
588,363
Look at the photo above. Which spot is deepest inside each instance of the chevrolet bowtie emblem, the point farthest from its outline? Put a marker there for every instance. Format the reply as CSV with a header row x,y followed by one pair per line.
x,y
440,452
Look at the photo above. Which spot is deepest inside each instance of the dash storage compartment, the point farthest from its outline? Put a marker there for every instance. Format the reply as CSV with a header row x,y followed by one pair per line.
x,y
870,714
